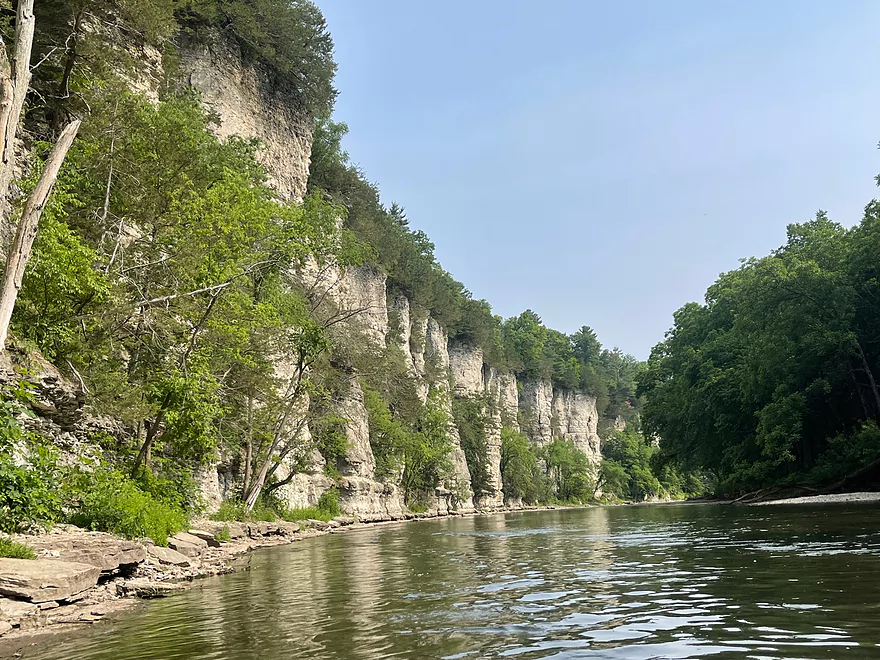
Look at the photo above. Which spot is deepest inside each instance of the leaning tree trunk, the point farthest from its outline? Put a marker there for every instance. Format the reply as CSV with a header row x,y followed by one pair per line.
x,y
14,83
20,252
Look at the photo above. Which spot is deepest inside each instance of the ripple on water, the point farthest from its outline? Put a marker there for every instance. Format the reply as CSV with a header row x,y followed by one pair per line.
x,y
630,583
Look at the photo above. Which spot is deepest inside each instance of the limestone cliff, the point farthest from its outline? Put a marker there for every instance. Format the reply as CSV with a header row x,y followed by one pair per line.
x,y
249,104
374,320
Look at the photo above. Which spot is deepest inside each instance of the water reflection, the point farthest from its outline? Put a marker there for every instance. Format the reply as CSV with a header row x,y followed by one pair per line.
x,y
627,582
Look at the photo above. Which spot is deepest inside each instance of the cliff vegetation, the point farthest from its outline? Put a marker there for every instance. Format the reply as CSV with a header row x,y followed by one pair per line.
x,y
219,346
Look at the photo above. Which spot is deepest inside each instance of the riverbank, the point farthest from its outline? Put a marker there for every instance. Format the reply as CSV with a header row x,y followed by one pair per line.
x,y
837,498
83,578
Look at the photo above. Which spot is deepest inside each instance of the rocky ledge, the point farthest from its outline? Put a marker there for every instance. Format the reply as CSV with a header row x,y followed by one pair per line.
x,y
79,577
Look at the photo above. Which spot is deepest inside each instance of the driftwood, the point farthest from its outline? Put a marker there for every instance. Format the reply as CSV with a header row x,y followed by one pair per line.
x,y
852,477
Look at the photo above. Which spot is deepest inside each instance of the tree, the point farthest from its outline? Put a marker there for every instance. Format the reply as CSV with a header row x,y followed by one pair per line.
x,y
14,84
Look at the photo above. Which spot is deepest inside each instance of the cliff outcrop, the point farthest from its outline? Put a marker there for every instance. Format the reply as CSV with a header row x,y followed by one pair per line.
x,y
248,105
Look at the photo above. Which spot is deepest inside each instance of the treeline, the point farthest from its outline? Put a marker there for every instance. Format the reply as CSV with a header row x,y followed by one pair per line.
x,y
773,380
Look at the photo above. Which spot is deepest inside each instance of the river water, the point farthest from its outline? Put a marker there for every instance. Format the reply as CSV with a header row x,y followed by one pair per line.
x,y
637,582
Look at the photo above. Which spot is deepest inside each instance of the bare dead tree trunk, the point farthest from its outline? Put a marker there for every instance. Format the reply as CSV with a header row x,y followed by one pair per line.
x,y
14,81
249,447
20,252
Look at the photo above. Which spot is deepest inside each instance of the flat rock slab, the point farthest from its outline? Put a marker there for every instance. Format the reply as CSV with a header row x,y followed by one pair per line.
x,y
168,556
13,610
187,544
42,580
102,550
207,537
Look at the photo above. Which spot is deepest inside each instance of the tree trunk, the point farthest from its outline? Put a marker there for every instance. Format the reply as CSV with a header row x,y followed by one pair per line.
x,y
14,83
20,252
861,395
249,447
870,375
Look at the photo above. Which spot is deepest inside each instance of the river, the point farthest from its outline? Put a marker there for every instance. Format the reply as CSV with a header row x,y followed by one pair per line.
x,y
635,582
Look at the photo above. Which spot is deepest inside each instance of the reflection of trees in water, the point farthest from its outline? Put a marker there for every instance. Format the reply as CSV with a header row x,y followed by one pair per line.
x,y
658,577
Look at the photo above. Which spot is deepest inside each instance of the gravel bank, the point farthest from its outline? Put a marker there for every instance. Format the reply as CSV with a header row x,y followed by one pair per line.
x,y
839,498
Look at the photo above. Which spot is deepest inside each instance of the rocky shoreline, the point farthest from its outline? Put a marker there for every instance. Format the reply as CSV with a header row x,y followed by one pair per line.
x,y
82,577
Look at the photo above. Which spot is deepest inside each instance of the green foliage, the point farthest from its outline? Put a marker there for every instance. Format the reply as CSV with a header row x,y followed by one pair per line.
x,y
570,471
231,511
426,453
15,550
290,37
29,472
60,282
613,479
189,406
772,379
106,500
326,509
388,437
469,414
413,452
521,475
270,509
626,452
224,535
331,441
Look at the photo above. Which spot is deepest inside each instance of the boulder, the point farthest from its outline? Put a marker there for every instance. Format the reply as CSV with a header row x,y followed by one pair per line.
x,y
13,610
168,556
187,544
105,551
318,524
207,537
143,588
5,627
237,531
42,580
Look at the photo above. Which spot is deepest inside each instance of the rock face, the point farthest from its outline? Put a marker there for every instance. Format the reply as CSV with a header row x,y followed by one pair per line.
x,y
576,419
251,105
247,104
547,413
44,580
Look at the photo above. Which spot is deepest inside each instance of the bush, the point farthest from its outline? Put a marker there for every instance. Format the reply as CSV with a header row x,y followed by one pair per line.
x,y
469,413
570,470
13,550
230,511
108,501
520,473
29,473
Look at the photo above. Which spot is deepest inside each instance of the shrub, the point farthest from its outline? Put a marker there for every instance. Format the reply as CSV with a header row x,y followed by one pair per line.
x,y
108,501
14,550
520,474
28,471
224,535
326,509
571,471
469,414
229,511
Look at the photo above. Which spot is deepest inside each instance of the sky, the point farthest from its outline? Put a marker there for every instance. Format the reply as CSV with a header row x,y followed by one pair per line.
x,y
602,162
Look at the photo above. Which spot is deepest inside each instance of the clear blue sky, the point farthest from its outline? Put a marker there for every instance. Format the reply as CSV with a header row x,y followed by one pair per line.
x,y
602,162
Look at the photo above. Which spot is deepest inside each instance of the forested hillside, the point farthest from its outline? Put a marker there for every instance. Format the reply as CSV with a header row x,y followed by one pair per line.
x,y
773,380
